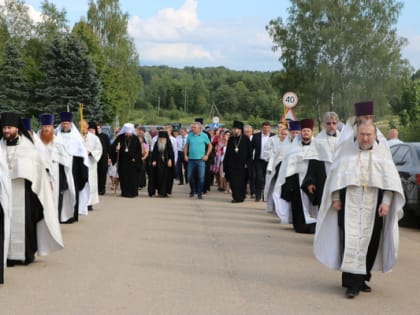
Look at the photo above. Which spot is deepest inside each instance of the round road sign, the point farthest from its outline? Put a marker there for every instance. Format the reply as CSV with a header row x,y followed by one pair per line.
x,y
290,99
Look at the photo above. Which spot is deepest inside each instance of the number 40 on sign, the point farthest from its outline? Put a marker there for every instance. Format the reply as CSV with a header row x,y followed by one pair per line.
x,y
289,99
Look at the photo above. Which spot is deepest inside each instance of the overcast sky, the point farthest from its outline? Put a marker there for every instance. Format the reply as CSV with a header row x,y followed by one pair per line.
x,y
207,33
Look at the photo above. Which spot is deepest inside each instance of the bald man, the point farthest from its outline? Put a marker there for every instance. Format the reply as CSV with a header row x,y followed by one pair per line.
x,y
393,137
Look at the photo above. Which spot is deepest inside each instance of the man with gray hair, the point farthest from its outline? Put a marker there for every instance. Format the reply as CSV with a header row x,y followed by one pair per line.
x,y
196,152
318,169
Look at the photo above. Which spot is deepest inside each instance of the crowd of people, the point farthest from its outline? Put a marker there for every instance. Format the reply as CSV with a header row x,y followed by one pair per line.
x,y
341,185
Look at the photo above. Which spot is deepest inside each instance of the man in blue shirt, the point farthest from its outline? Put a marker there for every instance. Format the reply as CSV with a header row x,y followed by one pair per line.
x,y
196,152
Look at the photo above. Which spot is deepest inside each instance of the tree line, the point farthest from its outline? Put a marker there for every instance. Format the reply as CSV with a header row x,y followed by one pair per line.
x,y
243,95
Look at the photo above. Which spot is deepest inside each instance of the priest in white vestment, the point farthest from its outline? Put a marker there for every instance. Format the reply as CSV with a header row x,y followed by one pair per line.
x,y
357,228
5,211
325,143
274,151
34,226
282,206
59,165
94,149
68,134
292,172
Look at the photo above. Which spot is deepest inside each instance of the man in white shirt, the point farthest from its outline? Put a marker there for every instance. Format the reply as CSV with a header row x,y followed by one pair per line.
x,y
181,165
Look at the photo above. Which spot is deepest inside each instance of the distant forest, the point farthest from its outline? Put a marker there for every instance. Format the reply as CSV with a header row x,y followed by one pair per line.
x,y
181,93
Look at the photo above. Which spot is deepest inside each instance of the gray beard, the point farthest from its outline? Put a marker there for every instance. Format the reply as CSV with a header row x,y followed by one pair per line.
x,y
161,146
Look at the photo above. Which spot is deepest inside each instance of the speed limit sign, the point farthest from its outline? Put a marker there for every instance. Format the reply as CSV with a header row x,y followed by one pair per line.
x,y
290,99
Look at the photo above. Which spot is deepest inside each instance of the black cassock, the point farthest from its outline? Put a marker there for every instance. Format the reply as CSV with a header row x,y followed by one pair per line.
x,y
237,160
80,177
315,175
161,175
103,163
129,160
290,191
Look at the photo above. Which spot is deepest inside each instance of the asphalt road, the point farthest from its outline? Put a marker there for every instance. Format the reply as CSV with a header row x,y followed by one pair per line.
x,y
180,255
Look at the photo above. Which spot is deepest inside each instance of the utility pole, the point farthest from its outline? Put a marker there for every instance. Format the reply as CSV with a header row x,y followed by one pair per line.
x,y
332,101
185,99
158,106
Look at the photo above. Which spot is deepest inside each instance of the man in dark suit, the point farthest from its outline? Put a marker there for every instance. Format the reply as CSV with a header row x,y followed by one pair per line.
x,y
258,142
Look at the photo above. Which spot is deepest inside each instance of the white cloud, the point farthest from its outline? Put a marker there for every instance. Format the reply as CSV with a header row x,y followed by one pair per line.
x,y
168,25
177,37
34,14
176,52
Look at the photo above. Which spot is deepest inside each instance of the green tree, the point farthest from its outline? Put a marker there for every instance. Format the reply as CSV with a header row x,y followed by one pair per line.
x,y
53,23
339,52
69,78
407,106
84,32
14,91
4,37
121,83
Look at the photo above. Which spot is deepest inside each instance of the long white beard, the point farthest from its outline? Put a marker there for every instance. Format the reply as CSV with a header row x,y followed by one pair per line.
x,y
161,146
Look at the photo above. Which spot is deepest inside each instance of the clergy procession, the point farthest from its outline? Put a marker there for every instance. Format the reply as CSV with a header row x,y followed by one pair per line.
x,y
340,184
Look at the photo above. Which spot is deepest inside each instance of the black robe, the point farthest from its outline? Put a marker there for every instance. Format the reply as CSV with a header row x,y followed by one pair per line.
x,y
290,191
129,160
103,163
236,164
315,175
161,176
80,177
63,186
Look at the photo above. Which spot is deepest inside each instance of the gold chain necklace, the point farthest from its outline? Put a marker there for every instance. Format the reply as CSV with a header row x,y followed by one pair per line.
x,y
237,144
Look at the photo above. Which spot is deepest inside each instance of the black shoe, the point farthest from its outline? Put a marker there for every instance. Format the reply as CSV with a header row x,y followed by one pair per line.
x,y
351,293
236,201
101,193
191,194
69,221
11,263
365,288
180,183
200,197
90,208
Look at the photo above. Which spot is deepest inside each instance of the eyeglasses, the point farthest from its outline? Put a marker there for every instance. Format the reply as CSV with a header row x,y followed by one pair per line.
x,y
331,123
